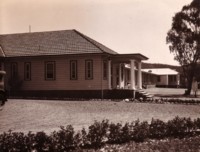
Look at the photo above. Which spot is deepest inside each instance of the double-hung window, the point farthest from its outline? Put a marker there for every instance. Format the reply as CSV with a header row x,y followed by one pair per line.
x,y
73,70
50,70
88,69
27,71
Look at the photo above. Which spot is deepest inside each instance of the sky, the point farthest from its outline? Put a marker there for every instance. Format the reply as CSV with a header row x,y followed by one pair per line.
x,y
125,26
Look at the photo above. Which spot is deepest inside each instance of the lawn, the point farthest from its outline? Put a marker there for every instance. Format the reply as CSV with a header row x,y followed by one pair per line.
x,y
170,92
48,115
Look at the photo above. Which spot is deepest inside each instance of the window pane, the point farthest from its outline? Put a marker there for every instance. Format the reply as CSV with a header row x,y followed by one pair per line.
x,y
89,69
105,70
73,70
27,71
50,70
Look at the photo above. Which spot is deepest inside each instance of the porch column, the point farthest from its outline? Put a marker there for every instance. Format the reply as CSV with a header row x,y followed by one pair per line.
x,y
139,75
109,75
167,80
120,76
132,74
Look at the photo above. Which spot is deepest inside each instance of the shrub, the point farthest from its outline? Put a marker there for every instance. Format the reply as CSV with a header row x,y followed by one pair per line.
x,y
140,131
197,123
41,142
157,129
14,141
179,127
115,133
125,133
64,139
97,134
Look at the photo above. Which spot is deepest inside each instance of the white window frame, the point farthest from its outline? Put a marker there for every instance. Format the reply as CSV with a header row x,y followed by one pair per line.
x,y
73,70
88,69
50,71
27,71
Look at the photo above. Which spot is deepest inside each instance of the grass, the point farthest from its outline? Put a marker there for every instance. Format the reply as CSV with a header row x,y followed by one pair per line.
x,y
46,115
171,92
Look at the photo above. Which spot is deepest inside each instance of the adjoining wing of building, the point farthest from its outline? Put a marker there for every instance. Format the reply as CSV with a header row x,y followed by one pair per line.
x,y
66,64
160,77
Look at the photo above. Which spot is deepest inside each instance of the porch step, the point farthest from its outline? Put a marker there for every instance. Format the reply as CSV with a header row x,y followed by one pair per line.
x,y
144,94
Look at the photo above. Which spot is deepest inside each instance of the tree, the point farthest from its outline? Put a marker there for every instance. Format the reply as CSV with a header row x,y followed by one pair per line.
x,y
184,40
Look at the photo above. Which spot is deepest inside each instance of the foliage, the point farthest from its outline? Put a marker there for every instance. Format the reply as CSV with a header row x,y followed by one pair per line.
x,y
140,131
99,134
157,129
184,39
167,145
64,139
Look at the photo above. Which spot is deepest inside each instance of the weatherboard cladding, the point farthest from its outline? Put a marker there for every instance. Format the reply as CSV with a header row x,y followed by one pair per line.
x,y
50,43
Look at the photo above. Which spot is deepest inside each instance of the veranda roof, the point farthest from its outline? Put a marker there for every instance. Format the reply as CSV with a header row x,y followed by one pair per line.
x,y
161,71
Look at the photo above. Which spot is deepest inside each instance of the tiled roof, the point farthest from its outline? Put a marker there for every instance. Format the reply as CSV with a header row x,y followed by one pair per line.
x,y
50,43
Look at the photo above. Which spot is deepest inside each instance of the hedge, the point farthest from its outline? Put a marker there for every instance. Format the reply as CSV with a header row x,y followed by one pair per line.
x,y
186,101
98,134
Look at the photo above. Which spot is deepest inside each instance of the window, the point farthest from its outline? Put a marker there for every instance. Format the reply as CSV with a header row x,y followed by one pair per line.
x,y
14,70
105,70
88,69
73,70
27,71
172,78
50,70
158,79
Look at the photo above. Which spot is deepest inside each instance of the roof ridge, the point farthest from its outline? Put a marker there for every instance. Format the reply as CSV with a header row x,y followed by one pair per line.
x,y
97,44
35,32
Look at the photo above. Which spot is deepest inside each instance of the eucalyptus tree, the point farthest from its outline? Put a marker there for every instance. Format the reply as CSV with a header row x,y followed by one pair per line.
x,y
184,40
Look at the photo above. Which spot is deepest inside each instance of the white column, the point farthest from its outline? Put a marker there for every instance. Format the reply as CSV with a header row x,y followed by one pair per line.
x,y
120,76
132,74
109,75
139,75
178,80
167,80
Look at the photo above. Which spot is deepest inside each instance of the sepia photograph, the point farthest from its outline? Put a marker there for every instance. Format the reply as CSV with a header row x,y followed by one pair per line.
x,y
99,76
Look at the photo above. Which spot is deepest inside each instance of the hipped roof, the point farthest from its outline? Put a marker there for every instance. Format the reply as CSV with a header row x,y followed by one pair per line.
x,y
50,43
65,42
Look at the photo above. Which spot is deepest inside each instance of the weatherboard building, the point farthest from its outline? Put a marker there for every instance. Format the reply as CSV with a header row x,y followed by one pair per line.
x,y
67,64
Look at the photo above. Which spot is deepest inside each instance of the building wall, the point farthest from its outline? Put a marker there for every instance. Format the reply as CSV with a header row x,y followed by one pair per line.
x,y
160,80
62,81
163,80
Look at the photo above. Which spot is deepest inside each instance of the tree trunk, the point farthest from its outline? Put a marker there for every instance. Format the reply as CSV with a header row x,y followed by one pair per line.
x,y
189,87
190,77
